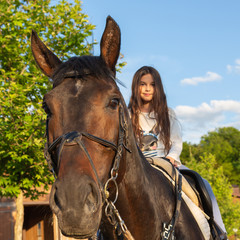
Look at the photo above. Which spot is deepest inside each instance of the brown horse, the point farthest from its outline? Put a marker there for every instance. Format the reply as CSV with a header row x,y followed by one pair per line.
x,y
101,175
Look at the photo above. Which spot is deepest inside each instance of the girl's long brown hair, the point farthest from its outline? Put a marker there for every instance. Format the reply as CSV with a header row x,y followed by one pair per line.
x,y
158,106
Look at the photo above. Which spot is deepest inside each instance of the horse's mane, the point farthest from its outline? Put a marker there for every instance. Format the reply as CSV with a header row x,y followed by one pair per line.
x,y
80,67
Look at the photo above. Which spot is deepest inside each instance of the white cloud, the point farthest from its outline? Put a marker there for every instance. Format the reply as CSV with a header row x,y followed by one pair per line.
x,y
209,77
197,121
234,68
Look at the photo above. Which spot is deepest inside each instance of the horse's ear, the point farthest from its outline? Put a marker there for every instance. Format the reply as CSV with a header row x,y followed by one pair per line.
x,y
110,43
46,60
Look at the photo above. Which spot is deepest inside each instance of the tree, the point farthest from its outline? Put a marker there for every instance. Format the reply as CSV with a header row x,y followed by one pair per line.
x,y
66,31
224,144
209,169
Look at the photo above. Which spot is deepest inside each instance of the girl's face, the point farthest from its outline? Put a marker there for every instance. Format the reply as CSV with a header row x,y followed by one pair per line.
x,y
147,88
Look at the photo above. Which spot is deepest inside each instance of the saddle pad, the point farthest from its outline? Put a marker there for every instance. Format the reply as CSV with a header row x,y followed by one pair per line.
x,y
168,168
198,214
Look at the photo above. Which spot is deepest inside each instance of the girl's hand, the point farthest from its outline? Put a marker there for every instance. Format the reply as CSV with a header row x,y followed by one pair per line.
x,y
172,161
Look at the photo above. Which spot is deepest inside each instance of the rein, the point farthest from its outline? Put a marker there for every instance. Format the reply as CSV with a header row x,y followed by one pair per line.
x,y
168,230
75,138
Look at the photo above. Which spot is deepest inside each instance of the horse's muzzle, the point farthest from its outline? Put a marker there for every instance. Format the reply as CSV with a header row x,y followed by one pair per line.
x,y
77,205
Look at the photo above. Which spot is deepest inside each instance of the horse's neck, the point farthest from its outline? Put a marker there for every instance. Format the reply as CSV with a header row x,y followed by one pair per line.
x,y
139,175
146,199
139,191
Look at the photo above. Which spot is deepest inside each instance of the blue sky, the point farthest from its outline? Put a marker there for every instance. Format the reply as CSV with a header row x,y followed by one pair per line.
x,y
195,45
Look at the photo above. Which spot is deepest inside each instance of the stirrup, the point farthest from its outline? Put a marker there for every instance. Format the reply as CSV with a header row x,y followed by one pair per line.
x,y
217,232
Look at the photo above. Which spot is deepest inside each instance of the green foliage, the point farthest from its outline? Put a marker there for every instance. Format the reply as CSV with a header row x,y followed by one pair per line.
x,y
120,65
209,168
224,144
65,29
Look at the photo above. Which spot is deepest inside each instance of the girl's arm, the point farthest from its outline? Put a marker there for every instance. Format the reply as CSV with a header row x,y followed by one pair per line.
x,y
176,140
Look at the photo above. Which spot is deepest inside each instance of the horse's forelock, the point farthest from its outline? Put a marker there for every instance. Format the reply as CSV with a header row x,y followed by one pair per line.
x,y
82,66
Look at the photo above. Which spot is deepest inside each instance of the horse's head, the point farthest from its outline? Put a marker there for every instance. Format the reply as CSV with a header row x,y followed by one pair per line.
x,y
83,133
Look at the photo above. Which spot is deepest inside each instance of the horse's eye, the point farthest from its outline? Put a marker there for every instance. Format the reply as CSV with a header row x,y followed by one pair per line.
x,y
46,109
113,103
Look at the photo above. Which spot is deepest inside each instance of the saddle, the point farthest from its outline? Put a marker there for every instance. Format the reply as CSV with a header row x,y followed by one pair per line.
x,y
196,182
194,187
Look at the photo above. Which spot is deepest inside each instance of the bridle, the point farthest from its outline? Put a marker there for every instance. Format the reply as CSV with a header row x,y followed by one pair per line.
x,y
111,212
75,138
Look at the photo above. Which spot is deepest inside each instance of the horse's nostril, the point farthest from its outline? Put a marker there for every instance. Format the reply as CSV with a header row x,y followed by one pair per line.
x,y
57,202
91,204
